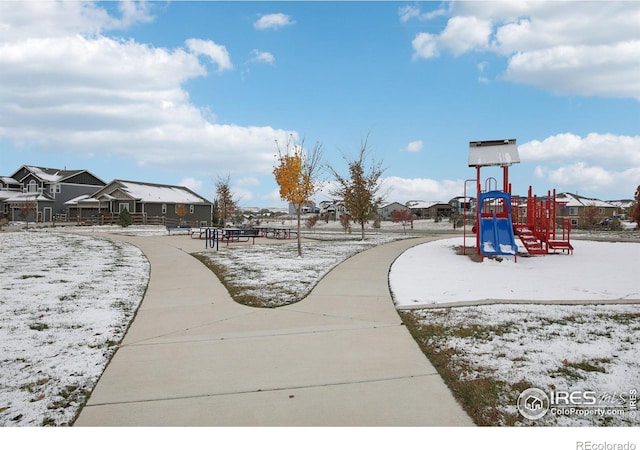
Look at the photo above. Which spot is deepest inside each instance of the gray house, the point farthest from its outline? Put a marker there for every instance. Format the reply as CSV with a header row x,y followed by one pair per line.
x,y
386,211
147,202
430,210
43,192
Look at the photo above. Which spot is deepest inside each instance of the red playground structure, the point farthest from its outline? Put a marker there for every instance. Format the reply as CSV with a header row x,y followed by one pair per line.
x,y
500,217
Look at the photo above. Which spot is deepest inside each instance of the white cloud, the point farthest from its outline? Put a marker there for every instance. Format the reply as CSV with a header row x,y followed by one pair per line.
x,y
56,18
273,21
575,48
262,57
217,53
69,90
591,164
191,183
602,70
611,149
425,46
584,178
247,182
405,189
465,33
409,12
415,146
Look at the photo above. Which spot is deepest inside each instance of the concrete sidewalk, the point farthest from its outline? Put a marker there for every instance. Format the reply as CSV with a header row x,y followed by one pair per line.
x,y
341,357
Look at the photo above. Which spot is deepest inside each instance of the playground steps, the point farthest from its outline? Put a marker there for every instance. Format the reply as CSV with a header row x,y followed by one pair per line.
x,y
530,242
561,245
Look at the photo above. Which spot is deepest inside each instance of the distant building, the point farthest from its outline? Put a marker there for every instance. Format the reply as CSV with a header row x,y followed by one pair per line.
x,y
309,207
162,201
459,205
583,211
45,190
430,210
386,211
332,209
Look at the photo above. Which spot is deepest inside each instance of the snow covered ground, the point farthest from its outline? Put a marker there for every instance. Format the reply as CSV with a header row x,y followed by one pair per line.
x,y
433,273
61,312
276,276
553,347
65,303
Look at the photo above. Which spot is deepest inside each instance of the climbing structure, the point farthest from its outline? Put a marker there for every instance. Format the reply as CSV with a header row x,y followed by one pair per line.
x,y
536,223
500,217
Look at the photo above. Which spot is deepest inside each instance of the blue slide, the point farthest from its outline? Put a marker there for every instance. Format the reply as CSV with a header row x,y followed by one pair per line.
x,y
496,233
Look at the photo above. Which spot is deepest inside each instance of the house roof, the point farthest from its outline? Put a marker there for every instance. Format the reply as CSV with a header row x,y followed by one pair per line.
x,y
427,205
575,200
152,192
622,203
386,205
50,175
17,196
81,199
9,180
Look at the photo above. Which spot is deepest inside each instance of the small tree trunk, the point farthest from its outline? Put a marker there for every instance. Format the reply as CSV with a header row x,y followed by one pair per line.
x,y
362,229
299,237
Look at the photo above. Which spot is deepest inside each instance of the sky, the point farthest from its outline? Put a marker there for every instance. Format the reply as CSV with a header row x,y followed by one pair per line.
x,y
188,93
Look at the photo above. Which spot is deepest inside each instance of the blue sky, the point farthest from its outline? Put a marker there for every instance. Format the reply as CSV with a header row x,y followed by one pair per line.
x,y
186,92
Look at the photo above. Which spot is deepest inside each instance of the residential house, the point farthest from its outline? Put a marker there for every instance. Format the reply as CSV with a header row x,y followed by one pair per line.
x,y
624,206
583,211
43,192
386,211
332,209
164,203
461,204
308,207
430,210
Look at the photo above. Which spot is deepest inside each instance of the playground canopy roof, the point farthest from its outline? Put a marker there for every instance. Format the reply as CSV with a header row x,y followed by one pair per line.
x,y
493,153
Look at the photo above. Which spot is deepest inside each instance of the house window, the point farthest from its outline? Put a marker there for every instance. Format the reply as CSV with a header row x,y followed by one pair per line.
x,y
573,211
123,206
164,208
601,210
191,209
574,222
55,188
33,186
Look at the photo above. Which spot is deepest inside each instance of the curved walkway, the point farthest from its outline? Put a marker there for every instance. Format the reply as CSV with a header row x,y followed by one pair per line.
x,y
341,357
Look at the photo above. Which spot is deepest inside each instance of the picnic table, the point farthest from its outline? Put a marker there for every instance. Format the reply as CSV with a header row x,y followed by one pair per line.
x,y
277,232
239,234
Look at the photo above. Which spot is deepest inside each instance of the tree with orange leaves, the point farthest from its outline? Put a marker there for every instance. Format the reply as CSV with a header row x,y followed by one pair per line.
x,y
296,173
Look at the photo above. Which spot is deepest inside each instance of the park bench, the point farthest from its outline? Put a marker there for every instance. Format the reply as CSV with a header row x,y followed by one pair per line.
x,y
175,228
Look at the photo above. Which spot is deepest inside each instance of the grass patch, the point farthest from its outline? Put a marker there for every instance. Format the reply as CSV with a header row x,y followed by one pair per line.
x,y
575,370
479,394
236,292
38,326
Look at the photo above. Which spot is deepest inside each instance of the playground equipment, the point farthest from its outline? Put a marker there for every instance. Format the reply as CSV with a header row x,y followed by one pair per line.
x,y
500,217
537,226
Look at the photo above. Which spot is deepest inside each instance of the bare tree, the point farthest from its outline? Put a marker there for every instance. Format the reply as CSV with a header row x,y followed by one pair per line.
x,y
227,204
26,209
360,190
590,215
